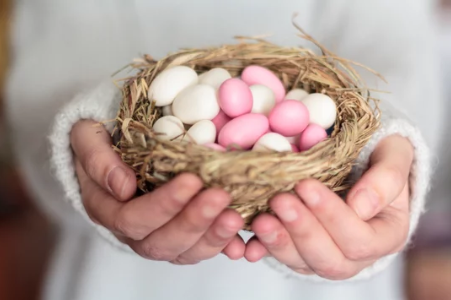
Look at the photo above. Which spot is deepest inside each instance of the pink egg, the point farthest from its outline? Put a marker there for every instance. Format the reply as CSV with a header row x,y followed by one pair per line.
x,y
235,97
294,148
289,118
244,131
258,75
220,120
215,146
311,136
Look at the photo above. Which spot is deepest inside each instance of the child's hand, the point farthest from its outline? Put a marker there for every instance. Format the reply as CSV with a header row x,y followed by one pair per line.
x,y
336,240
175,223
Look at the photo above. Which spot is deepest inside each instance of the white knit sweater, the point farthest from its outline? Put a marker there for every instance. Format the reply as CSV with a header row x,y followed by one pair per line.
x,y
103,103
65,49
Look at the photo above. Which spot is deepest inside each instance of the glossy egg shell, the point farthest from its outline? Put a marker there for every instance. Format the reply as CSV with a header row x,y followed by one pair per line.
x,y
253,75
244,131
289,118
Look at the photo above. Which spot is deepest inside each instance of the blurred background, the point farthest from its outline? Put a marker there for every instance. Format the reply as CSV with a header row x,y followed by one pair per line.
x,y
26,238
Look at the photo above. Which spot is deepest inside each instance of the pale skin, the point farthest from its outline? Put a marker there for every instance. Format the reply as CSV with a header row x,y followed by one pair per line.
x,y
313,232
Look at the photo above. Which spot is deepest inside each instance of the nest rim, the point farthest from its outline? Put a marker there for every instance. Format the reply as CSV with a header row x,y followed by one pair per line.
x,y
358,118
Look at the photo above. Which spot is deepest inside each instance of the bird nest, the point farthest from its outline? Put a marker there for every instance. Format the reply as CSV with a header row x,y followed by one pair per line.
x,y
251,178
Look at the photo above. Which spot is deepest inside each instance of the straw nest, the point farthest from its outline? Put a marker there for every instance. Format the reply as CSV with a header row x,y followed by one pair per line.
x,y
251,178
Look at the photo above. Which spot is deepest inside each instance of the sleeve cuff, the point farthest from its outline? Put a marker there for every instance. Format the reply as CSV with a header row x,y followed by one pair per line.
x,y
419,182
100,104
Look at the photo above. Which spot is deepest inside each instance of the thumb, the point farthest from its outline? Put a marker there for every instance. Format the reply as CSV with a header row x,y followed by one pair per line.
x,y
386,178
92,146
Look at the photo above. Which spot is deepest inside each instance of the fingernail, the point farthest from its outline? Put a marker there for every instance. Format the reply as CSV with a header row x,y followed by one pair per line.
x,y
209,211
366,202
269,237
117,180
224,233
311,197
288,215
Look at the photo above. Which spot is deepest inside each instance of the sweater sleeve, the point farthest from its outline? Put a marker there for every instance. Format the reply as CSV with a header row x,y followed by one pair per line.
x,y
392,123
100,104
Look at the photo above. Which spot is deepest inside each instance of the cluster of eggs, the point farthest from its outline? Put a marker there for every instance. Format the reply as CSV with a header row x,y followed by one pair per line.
x,y
250,112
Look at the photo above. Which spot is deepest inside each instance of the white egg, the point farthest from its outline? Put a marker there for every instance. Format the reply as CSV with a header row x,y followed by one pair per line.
x,y
293,139
169,83
215,77
167,110
196,103
272,142
296,94
263,99
202,132
322,109
169,128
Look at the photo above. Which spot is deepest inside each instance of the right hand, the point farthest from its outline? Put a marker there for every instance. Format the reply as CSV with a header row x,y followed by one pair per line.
x,y
178,222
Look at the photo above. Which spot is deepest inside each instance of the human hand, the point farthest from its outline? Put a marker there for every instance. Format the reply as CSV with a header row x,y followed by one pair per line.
x,y
178,222
321,234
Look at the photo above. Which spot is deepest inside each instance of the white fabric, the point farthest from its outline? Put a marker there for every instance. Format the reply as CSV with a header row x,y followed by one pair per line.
x,y
103,103
63,48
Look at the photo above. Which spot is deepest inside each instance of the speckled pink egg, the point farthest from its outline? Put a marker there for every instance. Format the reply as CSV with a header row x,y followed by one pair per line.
x,y
220,120
215,146
244,131
311,136
289,118
235,97
294,148
259,75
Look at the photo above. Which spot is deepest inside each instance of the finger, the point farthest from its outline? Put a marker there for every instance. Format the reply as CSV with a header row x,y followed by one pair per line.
x,y
136,219
311,240
358,240
145,214
388,173
278,242
223,230
235,249
100,206
255,250
182,232
92,146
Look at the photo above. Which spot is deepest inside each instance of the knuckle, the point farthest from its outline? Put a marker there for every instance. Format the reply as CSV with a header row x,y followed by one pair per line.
x,y
281,241
394,175
336,271
183,261
126,225
358,252
152,252
193,223
93,162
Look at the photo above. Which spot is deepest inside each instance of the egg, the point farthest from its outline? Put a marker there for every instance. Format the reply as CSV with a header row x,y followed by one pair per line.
x,y
169,83
167,110
263,99
293,139
272,142
220,120
294,148
311,136
244,131
169,128
196,103
289,118
202,132
216,147
215,77
235,97
322,109
296,94
253,75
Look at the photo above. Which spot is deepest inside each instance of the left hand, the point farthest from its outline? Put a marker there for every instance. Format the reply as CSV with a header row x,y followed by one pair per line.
x,y
321,234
